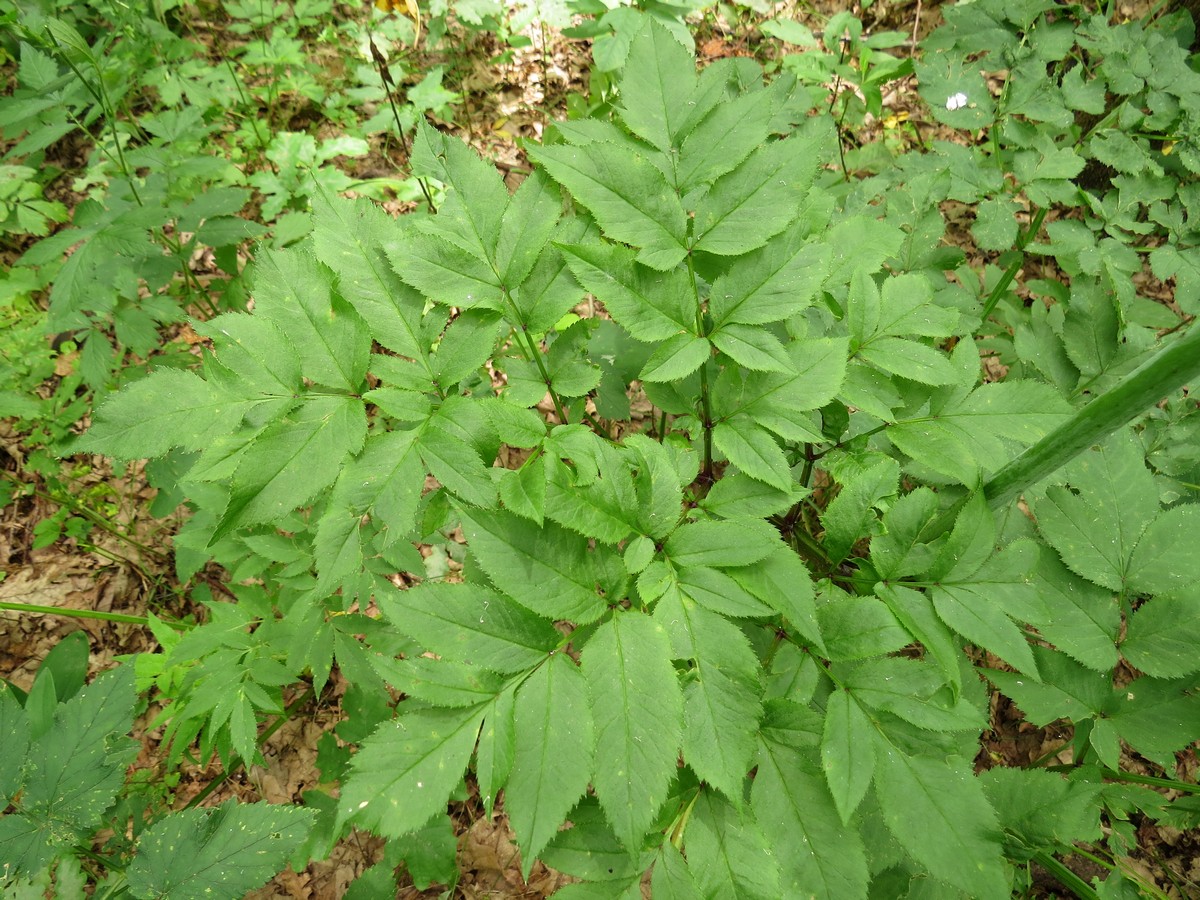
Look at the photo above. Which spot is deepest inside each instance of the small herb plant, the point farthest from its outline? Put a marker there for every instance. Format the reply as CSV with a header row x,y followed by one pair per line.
x,y
67,750
737,551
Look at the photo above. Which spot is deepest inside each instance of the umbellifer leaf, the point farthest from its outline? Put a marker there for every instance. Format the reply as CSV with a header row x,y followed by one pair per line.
x,y
223,852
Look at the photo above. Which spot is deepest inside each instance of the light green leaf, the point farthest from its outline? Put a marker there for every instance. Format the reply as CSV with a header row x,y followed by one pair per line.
x,y
1157,717
1040,808
966,434
728,853
782,402
351,237
169,408
762,196
915,611
738,495
589,849
656,84
969,545
443,271
858,627
471,624
226,851
439,682
658,484
1082,619
1096,527
898,551
771,283
723,139
958,838
453,461
995,226
718,591
979,608
604,508
752,347
292,461
626,193
637,705
292,290
818,856
530,220
913,690
1068,690
552,762
650,305
15,735
847,754
783,582
256,352
1164,634
472,212
676,358
1165,558
736,543
80,767
544,568
722,701
851,514
908,359
497,744
672,879
386,480
404,772
754,450
524,492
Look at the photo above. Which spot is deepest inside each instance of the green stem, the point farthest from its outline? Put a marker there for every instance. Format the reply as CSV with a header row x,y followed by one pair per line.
x,y
1168,370
1065,876
38,609
1013,267
1131,778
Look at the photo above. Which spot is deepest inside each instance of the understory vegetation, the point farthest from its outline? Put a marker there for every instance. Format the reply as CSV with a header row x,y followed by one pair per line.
x,y
698,493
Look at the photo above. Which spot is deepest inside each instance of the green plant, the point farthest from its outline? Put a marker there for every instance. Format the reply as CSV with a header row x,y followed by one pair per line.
x,y
63,779
731,568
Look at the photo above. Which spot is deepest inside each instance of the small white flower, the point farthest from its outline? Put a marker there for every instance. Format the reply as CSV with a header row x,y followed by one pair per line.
x,y
956,101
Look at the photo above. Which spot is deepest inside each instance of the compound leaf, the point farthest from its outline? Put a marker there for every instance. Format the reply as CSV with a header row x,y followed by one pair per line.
x,y
404,772
761,197
626,193
547,569
819,856
471,624
351,237
656,84
638,710
728,852
293,460
650,305
552,761
226,851
169,408
847,754
722,702
958,838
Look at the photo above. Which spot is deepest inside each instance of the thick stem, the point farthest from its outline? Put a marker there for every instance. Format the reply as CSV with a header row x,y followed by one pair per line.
x,y
1168,370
